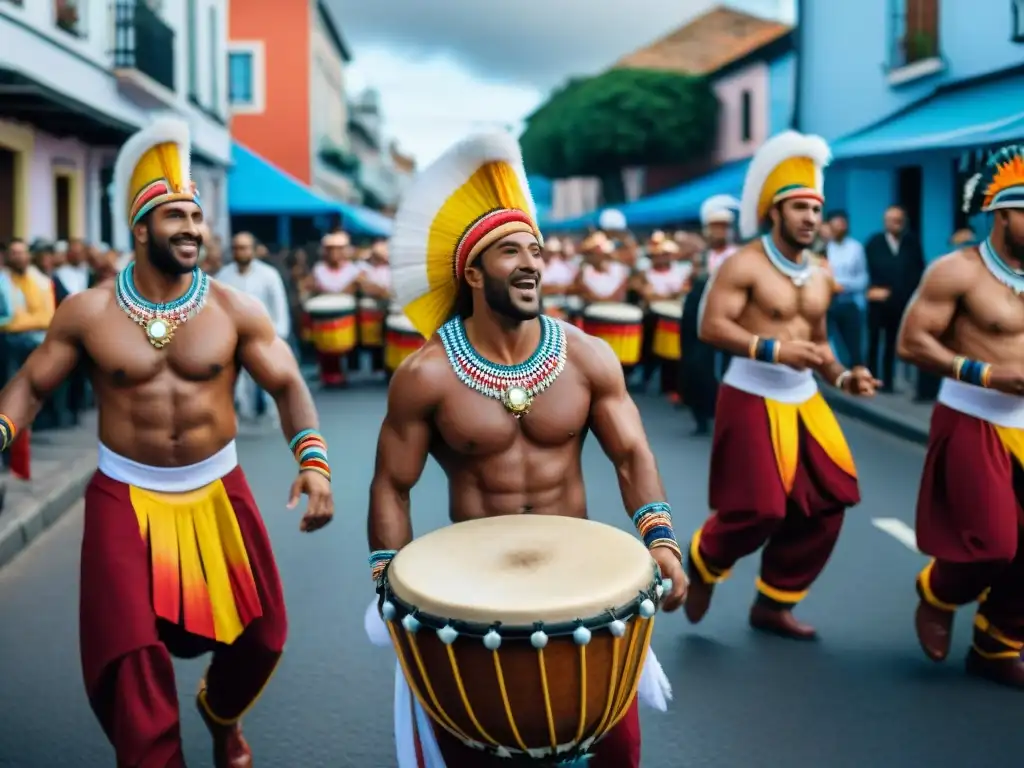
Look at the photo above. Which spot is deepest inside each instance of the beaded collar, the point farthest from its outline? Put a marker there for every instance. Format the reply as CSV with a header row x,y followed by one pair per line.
x,y
1001,271
514,385
160,320
797,271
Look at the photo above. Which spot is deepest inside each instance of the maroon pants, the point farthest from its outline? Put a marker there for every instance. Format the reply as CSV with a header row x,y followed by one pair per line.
x,y
969,518
619,749
127,649
797,528
331,371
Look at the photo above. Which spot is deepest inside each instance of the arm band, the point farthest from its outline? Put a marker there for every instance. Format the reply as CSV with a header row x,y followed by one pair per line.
x,y
7,432
380,559
310,451
765,350
971,371
841,379
654,524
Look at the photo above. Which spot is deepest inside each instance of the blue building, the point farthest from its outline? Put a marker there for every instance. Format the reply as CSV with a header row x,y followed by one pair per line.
x,y
910,93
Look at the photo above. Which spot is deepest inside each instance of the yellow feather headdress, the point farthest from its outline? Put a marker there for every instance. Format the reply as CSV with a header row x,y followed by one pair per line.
x,y
789,165
471,197
153,167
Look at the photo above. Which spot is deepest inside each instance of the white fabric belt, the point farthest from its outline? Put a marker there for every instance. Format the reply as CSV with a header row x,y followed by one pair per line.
x,y
776,382
168,479
654,691
985,404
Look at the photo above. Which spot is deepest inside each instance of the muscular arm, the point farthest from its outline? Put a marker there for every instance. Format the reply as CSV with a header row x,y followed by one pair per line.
x,y
48,365
616,423
269,359
831,368
724,300
402,450
930,313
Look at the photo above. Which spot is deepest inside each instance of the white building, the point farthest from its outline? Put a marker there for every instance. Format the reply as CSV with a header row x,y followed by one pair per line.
x,y
382,175
79,76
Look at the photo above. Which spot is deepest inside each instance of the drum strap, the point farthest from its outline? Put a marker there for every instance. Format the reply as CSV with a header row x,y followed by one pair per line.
x,y
421,761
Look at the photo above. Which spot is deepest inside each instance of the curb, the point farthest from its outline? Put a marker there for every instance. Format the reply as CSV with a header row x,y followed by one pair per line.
x,y
18,531
888,421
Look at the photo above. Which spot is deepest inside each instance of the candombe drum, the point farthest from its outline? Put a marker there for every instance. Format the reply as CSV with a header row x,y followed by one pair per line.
x,y
401,339
554,306
333,320
531,641
621,325
371,323
667,315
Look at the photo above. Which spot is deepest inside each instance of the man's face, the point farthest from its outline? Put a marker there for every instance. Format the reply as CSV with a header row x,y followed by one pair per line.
x,y
172,236
1014,232
334,255
509,277
796,222
76,253
717,234
662,258
243,249
838,227
895,220
18,257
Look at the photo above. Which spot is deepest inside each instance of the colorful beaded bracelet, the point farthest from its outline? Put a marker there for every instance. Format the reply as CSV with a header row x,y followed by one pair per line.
x,y
379,560
310,451
654,524
7,432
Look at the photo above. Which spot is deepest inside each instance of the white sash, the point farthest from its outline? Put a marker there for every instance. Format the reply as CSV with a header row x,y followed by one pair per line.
x,y
776,382
985,404
654,691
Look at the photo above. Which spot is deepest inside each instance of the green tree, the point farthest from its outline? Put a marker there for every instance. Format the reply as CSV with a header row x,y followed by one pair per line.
x,y
599,125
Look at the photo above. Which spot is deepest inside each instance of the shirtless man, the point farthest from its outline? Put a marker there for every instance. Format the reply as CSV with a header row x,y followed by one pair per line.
x,y
966,323
781,472
175,558
505,453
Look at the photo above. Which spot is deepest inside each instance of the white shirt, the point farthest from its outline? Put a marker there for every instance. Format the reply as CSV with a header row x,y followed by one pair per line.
x,y
379,275
848,264
330,280
559,272
894,243
604,284
74,279
716,258
670,281
263,283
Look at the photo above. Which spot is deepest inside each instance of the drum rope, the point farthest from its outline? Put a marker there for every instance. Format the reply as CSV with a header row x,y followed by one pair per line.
x,y
465,699
508,704
620,699
624,703
547,698
613,685
436,712
583,694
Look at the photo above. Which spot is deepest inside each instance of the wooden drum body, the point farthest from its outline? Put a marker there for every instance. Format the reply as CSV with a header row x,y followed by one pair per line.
x,y
371,316
333,320
668,315
524,636
621,325
401,339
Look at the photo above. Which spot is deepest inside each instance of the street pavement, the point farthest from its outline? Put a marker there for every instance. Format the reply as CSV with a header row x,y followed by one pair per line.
x,y
861,697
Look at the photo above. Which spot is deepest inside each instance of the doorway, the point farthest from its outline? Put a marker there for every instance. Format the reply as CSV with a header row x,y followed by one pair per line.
x,y
62,207
909,180
6,195
106,204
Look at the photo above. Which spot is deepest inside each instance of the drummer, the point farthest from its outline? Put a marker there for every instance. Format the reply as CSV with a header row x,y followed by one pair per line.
x,y
336,274
601,278
666,279
375,283
559,274
515,446
717,217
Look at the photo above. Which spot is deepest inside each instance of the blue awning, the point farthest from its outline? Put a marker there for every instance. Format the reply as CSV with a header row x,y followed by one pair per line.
x,y
957,116
679,204
257,188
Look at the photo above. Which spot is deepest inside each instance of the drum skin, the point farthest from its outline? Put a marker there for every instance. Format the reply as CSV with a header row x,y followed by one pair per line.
x,y
401,339
371,324
621,325
521,695
333,321
666,343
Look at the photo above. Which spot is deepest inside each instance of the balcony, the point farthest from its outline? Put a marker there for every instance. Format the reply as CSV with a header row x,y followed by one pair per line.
x,y
914,51
143,54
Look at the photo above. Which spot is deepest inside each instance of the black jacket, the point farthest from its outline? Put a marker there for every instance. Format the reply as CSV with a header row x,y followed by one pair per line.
x,y
900,272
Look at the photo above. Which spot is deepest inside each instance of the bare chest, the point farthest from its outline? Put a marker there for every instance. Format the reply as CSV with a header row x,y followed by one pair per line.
x,y
994,308
200,350
778,297
472,424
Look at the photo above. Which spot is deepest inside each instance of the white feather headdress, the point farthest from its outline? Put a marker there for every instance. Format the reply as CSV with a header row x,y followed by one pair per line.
x,y
789,164
612,220
163,130
718,208
470,194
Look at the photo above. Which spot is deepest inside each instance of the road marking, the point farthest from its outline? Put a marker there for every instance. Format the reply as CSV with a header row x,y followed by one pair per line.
x,y
899,530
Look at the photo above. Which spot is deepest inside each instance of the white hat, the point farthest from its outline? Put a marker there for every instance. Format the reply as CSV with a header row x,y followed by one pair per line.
x,y
612,220
719,209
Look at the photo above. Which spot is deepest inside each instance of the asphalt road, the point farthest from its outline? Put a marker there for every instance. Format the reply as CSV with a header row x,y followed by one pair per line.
x,y
862,697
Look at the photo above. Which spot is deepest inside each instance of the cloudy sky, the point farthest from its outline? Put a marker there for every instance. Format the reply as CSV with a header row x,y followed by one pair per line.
x,y
446,68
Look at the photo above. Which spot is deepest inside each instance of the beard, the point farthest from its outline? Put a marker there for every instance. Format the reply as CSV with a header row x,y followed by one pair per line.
x,y
1014,247
498,295
160,255
789,237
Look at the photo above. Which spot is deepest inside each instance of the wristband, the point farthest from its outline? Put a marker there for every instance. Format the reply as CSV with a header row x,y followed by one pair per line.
x,y
7,432
310,451
380,559
971,371
654,524
841,379
764,350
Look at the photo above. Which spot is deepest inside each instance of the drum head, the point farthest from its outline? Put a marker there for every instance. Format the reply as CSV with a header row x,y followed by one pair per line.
x,y
330,302
399,323
368,303
670,309
519,569
614,312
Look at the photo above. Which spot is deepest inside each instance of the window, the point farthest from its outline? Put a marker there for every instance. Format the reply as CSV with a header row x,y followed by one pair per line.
x,y
246,84
1017,8
746,116
914,32
192,30
215,60
240,78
